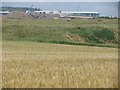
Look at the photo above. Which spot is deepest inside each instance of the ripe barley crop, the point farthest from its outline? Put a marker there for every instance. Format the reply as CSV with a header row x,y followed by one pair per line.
x,y
41,65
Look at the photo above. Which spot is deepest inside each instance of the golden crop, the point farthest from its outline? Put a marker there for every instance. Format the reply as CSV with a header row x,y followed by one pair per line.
x,y
42,65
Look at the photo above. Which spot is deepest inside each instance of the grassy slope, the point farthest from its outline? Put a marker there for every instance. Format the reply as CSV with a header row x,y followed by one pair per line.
x,y
77,31
28,64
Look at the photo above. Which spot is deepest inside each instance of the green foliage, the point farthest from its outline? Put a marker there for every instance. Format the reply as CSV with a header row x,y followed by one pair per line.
x,y
19,9
96,34
104,34
59,31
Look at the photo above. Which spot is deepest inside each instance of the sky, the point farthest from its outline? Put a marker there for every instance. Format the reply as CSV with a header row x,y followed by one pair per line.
x,y
104,8
59,0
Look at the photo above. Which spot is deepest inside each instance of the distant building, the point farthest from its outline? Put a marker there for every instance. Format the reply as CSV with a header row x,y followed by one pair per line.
x,y
4,12
68,14
81,14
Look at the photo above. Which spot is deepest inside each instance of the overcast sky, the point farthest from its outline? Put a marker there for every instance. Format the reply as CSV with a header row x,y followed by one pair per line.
x,y
60,0
105,8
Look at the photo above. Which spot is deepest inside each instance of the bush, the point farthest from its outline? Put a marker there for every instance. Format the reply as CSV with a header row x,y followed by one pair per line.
x,y
104,34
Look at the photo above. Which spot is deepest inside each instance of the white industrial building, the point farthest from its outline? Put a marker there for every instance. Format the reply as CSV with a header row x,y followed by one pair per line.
x,y
4,12
77,14
69,14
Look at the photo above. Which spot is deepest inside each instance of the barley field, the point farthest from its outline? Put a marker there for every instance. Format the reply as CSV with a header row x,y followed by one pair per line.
x,y
45,65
